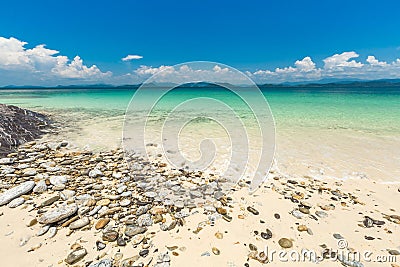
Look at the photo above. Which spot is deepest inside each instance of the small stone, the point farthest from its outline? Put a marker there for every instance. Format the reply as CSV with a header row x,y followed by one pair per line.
x,y
321,214
302,228
215,251
368,222
40,187
125,202
15,192
110,236
297,214
338,236
32,222
222,211
134,230
58,180
143,253
76,256
252,247
267,234
52,232
369,238
227,218
43,230
304,210
150,194
285,243
394,252
58,214
144,220
219,235
49,201
277,216
79,223
206,254
16,202
100,245
101,223
104,202
102,263
121,242
253,210
5,161
95,173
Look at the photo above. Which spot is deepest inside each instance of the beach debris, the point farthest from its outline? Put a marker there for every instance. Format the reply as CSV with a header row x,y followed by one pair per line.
x,y
285,243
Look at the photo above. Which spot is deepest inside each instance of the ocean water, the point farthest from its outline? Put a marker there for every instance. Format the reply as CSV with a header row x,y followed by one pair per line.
x,y
339,132
375,110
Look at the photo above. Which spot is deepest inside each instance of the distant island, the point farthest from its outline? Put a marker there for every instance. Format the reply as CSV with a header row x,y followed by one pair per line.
x,y
386,83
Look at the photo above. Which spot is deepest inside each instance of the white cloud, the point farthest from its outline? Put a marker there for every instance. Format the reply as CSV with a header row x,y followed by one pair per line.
x,y
131,57
184,73
42,63
337,66
341,61
374,62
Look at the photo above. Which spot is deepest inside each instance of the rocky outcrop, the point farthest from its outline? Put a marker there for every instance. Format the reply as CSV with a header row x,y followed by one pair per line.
x,y
18,126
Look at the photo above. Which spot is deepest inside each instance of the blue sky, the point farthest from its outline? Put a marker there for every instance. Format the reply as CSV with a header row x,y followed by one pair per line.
x,y
256,37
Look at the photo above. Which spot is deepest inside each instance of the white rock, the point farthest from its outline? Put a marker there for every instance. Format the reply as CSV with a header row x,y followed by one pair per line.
x,y
95,173
15,192
5,161
16,202
58,214
40,187
57,180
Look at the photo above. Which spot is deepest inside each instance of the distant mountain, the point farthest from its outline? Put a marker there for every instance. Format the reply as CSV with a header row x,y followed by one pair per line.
x,y
317,84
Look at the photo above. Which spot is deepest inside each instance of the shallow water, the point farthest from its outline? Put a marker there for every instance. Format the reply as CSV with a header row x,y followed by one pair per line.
x,y
334,131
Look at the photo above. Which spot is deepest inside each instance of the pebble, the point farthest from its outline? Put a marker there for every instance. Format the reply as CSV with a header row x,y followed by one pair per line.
x,y
285,243
49,201
144,220
43,230
253,210
52,232
40,187
121,242
110,236
101,223
76,256
302,228
95,173
15,192
338,236
16,202
206,254
321,214
125,202
277,216
267,234
215,251
219,235
297,214
134,230
304,210
143,253
58,214
100,245
102,263
79,223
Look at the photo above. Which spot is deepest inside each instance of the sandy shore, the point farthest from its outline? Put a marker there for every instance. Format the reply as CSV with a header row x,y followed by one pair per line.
x,y
289,213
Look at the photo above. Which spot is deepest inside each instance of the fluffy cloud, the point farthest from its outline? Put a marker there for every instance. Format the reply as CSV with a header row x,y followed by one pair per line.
x,y
201,71
43,63
340,66
131,57
341,61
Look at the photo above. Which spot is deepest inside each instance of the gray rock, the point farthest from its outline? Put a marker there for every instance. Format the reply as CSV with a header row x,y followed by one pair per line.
x,y
76,256
102,263
40,187
321,214
58,214
145,220
43,230
58,180
297,214
134,230
16,202
16,191
79,223
52,231
5,161
95,173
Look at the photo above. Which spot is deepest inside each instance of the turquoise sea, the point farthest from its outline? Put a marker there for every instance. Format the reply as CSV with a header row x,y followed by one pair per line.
x,y
336,132
374,110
